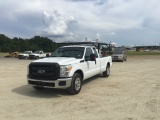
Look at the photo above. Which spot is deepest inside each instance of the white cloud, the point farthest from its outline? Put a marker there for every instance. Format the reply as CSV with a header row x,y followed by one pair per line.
x,y
113,43
98,37
112,33
129,19
57,24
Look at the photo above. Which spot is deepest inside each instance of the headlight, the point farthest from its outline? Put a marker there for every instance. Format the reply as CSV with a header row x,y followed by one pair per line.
x,y
65,70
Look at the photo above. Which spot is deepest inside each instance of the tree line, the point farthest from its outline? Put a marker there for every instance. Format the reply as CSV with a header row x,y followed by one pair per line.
x,y
18,44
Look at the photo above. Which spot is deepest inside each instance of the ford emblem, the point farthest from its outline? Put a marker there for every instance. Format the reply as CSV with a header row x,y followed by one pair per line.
x,y
41,71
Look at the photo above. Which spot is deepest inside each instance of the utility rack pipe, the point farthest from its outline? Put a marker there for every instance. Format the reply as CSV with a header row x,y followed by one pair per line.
x,y
96,44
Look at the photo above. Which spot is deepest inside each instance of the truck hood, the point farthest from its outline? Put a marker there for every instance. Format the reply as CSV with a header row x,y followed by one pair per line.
x,y
34,54
23,54
117,55
59,60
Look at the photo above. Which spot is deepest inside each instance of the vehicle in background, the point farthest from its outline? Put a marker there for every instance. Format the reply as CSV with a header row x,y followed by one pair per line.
x,y
12,54
69,66
38,54
24,55
147,50
119,56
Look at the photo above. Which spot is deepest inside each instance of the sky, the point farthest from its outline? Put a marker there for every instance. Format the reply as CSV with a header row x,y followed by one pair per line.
x,y
121,22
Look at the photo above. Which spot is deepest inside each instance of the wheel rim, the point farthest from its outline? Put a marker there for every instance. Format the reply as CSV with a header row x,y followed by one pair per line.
x,y
77,84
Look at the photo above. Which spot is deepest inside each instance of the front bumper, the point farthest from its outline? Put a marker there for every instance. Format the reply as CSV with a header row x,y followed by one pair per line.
x,y
117,58
32,57
59,83
21,56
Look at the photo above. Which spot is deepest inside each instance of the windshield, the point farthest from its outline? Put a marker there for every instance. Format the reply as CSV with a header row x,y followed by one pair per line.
x,y
26,52
76,52
118,52
37,52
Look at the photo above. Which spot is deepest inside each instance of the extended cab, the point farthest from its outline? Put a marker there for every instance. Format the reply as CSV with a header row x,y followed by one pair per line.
x,y
38,54
24,55
68,67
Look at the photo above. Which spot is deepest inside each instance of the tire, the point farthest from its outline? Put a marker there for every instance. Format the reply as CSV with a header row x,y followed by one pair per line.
x,y
76,84
37,57
107,72
126,59
122,60
47,55
37,88
26,57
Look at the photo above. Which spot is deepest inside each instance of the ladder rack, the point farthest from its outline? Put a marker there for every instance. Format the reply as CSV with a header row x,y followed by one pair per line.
x,y
98,45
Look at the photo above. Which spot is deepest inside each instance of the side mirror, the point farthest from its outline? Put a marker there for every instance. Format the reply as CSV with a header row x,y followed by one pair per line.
x,y
93,57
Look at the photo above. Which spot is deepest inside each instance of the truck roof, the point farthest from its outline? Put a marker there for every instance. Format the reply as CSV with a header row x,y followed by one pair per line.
x,y
77,46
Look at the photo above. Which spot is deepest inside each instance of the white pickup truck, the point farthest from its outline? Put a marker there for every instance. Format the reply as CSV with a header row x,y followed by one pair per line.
x,y
68,67
38,54
24,55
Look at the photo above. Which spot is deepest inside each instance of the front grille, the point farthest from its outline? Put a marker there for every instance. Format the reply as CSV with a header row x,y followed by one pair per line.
x,y
44,71
42,84
115,57
32,56
20,56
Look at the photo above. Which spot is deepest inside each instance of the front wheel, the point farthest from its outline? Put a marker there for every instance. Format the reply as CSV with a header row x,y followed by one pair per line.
x,y
126,59
26,57
122,60
107,72
76,84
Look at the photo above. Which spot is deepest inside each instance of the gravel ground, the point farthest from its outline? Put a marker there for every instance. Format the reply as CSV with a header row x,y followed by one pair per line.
x,y
131,92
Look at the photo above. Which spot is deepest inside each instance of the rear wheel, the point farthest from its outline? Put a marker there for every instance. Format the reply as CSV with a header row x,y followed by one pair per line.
x,y
37,57
107,72
76,84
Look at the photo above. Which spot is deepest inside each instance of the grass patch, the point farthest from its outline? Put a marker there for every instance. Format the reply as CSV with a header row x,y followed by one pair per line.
x,y
3,54
143,53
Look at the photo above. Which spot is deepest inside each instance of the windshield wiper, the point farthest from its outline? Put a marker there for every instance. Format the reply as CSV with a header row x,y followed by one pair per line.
x,y
65,56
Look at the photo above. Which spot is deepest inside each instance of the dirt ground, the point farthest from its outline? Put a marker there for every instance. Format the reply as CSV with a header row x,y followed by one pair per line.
x,y
131,92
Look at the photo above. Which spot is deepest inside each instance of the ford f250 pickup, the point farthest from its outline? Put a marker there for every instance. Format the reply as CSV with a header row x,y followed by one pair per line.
x,y
68,67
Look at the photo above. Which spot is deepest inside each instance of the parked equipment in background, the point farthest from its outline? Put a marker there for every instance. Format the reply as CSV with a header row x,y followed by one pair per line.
x,y
12,55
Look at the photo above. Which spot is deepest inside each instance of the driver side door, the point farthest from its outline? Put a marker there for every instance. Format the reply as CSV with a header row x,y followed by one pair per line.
x,y
90,65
